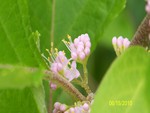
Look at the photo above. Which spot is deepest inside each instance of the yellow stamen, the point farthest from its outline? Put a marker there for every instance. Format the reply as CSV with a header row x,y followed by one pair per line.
x,y
56,50
68,36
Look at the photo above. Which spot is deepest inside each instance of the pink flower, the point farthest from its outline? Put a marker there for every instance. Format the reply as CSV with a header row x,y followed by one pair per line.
x,y
120,44
59,108
60,67
79,48
147,7
78,108
61,58
59,63
72,73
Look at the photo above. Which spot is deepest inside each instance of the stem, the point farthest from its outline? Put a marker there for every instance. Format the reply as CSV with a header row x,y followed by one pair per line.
x,y
52,47
83,85
67,86
85,81
52,24
50,101
85,73
141,36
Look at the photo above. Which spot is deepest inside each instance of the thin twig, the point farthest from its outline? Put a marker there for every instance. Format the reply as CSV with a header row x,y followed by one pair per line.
x,y
67,86
50,101
52,24
141,36
52,46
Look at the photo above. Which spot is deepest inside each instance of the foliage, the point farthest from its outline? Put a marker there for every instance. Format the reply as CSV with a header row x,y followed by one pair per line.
x,y
126,81
22,67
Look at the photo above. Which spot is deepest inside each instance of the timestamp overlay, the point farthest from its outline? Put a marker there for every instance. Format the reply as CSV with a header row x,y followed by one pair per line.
x,y
120,103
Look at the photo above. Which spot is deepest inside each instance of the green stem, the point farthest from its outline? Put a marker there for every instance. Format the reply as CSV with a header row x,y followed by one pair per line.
x,y
85,73
52,24
85,79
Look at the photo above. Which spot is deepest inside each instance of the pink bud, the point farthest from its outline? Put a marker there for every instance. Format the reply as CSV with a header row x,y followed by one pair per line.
x,y
87,51
114,41
126,43
87,37
62,107
76,41
147,7
53,86
86,107
71,110
57,105
81,47
82,55
55,111
80,44
82,38
88,44
120,41
79,50
74,55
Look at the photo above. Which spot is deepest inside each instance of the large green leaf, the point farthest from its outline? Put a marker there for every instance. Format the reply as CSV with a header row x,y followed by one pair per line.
x,y
19,77
73,17
28,100
126,81
16,44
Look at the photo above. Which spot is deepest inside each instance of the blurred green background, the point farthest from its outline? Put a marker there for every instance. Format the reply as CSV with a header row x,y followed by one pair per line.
x,y
124,25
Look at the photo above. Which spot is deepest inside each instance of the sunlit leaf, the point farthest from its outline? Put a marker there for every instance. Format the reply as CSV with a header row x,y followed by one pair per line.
x,y
124,88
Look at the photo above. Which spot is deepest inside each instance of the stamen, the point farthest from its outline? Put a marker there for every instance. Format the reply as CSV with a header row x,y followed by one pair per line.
x,y
56,50
69,37
67,45
52,57
46,58
48,51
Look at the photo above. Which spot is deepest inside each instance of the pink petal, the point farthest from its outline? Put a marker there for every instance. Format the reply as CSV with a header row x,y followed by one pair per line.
x,y
114,40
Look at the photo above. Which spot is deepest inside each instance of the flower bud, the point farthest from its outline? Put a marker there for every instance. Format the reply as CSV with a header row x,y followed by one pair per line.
x,y
120,44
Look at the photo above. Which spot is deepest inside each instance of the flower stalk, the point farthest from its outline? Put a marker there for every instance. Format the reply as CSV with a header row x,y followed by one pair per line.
x,y
85,79
66,85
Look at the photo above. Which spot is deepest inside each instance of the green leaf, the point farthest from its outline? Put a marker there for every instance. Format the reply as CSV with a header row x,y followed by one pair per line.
x,y
16,44
121,26
124,88
28,100
73,17
19,77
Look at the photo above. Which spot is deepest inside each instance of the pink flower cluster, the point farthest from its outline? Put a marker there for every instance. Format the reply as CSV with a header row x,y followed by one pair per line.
x,y
120,44
60,66
79,48
62,108
147,8
59,108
